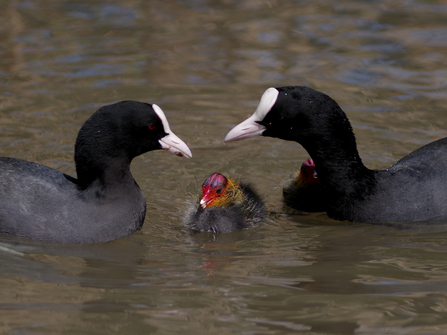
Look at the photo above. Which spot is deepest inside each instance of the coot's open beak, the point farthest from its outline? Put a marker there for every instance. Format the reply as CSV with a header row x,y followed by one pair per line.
x,y
171,142
251,127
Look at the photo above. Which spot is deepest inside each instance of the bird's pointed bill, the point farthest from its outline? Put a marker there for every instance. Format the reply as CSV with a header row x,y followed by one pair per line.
x,y
251,127
208,195
174,144
203,203
171,142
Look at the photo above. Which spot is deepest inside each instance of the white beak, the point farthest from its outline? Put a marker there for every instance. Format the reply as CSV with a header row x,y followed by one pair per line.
x,y
171,142
246,129
250,127
174,144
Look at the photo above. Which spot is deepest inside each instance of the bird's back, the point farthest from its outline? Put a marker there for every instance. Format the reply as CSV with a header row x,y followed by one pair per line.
x,y
413,189
41,203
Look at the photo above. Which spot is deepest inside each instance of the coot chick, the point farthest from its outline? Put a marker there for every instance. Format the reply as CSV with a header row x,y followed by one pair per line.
x,y
304,191
413,189
226,206
104,202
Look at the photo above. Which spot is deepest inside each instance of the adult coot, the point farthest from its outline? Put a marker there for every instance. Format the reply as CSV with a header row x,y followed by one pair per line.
x,y
226,206
413,189
105,202
304,191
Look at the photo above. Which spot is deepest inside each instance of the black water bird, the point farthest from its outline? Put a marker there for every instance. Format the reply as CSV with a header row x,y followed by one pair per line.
x,y
104,202
413,189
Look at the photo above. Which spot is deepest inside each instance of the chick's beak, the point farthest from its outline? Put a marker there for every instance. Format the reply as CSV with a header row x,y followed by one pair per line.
x,y
207,197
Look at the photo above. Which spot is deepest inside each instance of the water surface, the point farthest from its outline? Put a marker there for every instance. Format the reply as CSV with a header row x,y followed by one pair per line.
x,y
206,63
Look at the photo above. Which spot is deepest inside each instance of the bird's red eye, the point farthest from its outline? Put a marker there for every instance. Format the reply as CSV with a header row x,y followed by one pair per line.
x,y
151,126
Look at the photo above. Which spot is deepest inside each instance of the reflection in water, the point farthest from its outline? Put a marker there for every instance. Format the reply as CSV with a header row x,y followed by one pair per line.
x,y
207,63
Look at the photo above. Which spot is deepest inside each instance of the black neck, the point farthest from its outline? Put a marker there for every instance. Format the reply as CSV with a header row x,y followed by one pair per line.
x,y
339,166
102,171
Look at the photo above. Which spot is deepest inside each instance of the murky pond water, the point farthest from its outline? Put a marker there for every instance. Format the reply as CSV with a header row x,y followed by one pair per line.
x,y
206,63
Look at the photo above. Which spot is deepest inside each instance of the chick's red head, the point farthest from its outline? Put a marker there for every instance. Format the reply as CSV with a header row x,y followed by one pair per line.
x,y
308,173
213,189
